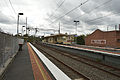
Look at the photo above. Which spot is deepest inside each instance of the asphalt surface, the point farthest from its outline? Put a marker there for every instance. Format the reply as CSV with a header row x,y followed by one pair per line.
x,y
20,68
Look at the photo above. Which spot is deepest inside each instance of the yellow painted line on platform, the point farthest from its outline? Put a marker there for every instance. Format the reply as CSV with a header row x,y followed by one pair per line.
x,y
40,68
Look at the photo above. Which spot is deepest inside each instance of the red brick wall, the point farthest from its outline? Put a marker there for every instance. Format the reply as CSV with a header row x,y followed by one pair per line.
x,y
109,37
118,37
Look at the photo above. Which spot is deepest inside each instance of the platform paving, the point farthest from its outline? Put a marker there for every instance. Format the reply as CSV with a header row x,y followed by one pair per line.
x,y
20,68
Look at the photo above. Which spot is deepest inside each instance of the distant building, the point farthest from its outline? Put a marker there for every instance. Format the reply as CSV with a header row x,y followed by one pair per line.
x,y
59,38
103,38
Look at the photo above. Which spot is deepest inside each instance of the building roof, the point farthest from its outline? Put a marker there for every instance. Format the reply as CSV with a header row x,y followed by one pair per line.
x,y
55,35
59,35
98,30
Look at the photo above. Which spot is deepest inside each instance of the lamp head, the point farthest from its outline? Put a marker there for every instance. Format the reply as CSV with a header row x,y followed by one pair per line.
x,y
20,13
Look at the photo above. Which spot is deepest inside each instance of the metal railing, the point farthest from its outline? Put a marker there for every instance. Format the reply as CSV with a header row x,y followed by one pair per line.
x,y
8,47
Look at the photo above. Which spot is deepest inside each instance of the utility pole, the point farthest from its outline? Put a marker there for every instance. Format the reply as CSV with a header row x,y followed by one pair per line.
x,y
28,30
119,27
107,28
36,30
59,28
26,25
115,27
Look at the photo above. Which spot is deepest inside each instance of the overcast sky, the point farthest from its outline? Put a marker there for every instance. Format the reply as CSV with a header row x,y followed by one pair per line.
x,y
94,14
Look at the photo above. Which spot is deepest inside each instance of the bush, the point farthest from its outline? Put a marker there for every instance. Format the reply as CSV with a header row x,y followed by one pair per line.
x,y
81,40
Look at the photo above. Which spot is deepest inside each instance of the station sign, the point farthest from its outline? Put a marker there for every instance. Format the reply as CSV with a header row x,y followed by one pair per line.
x,y
98,41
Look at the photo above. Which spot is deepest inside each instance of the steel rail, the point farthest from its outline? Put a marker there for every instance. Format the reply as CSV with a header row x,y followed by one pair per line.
x,y
65,53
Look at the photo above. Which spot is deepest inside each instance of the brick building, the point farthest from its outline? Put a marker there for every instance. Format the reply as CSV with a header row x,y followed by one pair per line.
x,y
103,38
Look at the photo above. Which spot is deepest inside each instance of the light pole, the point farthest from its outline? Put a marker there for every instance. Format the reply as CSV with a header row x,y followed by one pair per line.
x,y
76,30
26,25
22,30
76,25
28,30
18,23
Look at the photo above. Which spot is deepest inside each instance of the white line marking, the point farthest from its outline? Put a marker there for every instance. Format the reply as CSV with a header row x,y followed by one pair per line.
x,y
57,73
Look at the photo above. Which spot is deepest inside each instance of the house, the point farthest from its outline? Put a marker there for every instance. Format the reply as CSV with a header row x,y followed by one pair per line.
x,y
59,38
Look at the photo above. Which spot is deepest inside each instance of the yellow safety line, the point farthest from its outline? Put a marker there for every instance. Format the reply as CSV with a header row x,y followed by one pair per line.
x,y
43,74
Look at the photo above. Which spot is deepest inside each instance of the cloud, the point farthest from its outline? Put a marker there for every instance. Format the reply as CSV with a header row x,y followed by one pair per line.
x,y
41,12
87,13
4,19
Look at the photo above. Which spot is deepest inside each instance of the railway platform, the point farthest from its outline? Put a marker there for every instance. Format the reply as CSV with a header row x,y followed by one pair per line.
x,y
103,49
41,62
20,68
30,64
26,66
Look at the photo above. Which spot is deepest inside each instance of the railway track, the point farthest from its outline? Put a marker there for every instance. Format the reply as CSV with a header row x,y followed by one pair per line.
x,y
82,76
78,58
87,61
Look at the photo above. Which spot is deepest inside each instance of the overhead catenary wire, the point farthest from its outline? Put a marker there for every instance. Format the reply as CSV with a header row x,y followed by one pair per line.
x,y
102,17
57,8
70,11
97,7
60,5
12,14
12,7
58,2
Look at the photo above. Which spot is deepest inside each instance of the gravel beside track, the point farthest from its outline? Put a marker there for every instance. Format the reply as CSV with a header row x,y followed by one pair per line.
x,y
90,71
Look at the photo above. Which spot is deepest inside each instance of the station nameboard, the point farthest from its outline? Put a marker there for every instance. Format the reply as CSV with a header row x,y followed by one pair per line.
x,y
98,41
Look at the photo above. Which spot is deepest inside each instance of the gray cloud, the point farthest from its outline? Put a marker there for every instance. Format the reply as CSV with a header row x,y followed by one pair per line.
x,y
85,17
39,9
4,19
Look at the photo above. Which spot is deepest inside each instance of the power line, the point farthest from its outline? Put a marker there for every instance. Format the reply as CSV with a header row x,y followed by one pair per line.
x,y
58,2
71,11
57,8
6,4
101,17
94,9
60,5
12,7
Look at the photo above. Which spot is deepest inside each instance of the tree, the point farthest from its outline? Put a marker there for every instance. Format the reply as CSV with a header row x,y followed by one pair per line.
x,y
81,40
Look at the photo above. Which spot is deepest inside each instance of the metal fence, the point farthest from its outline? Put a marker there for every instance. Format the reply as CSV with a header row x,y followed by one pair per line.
x,y
8,47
